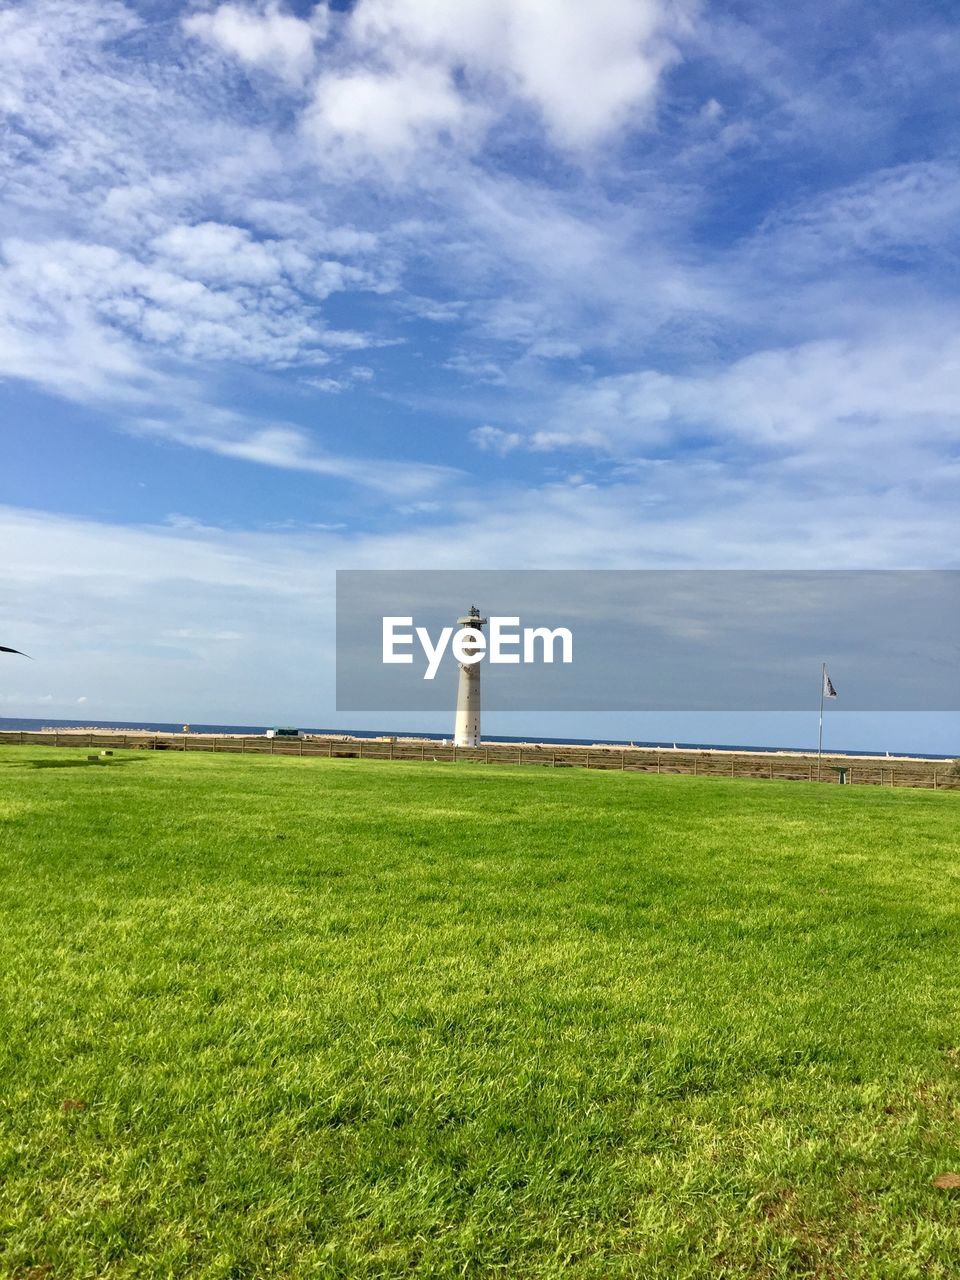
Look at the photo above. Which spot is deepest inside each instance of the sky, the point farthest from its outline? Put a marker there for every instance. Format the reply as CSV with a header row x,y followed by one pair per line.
x,y
290,288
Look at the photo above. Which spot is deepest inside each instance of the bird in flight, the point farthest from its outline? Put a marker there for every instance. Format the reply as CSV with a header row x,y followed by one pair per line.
x,y
4,649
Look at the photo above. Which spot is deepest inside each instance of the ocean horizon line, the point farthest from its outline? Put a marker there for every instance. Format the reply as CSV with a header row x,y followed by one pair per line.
x,y
14,724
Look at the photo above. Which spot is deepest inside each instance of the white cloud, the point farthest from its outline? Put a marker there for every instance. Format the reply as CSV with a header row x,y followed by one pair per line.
x,y
74,318
329,386
211,251
265,38
496,440
412,73
554,349
28,47
49,333
827,417
293,449
207,292
58,285
387,114
788,398
902,213
358,373
584,68
476,367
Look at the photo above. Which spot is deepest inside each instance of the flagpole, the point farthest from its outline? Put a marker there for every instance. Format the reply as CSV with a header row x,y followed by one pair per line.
x,y
823,681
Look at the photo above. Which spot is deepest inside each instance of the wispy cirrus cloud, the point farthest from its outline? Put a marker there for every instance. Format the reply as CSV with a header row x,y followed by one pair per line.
x,y
841,415
908,213
76,319
292,449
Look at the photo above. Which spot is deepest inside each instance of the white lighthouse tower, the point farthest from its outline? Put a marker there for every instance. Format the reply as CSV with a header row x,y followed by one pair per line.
x,y
466,729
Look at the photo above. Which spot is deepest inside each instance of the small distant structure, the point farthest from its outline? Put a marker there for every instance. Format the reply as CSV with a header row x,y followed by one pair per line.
x,y
283,731
466,728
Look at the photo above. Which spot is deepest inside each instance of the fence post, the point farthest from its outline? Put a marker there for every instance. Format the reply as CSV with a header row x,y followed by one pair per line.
x,y
935,780
519,755
658,763
694,766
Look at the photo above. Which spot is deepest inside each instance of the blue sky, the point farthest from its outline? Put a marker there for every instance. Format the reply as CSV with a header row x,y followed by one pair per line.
x,y
493,284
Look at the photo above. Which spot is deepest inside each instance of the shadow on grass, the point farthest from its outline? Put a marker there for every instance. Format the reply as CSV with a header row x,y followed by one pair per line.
x,y
73,764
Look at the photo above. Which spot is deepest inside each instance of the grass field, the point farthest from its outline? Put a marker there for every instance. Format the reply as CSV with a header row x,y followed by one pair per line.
x,y
283,1018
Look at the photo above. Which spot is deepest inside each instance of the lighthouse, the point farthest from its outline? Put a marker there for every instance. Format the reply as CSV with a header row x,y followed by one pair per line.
x,y
466,729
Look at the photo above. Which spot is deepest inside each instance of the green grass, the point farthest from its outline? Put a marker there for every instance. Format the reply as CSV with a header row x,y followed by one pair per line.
x,y
343,1019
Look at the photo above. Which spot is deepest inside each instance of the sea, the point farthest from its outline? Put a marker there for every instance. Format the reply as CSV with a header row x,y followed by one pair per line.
x,y
10,723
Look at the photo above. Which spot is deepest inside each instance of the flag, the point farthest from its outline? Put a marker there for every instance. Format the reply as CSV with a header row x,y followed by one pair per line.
x,y
828,690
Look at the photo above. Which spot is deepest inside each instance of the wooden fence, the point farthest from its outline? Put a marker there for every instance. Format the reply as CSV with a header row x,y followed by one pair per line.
x,y
861,770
